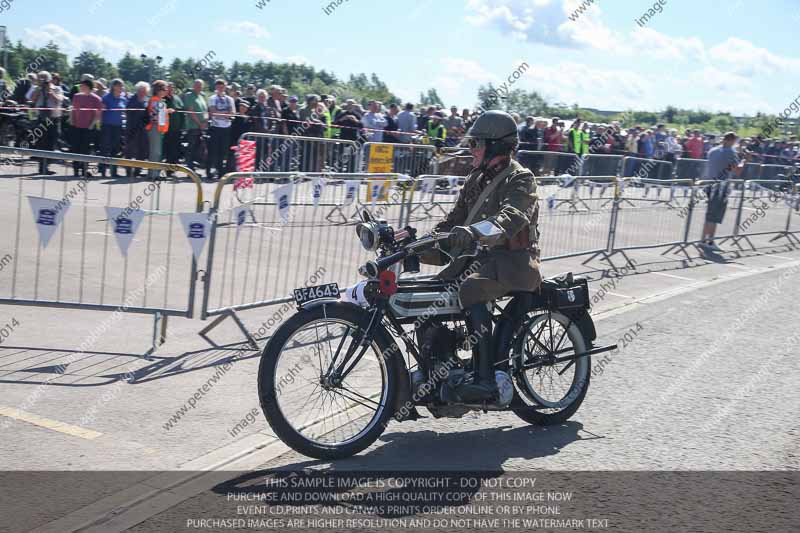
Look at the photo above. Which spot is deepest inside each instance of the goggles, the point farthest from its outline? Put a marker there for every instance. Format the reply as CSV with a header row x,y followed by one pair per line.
x,y
476,143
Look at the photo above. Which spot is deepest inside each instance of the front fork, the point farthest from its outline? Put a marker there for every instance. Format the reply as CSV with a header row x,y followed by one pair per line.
x,y
338,370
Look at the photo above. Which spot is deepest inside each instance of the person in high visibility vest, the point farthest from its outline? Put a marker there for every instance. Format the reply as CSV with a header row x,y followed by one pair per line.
x,y
437,133
586,138
158,125
330,101
574,137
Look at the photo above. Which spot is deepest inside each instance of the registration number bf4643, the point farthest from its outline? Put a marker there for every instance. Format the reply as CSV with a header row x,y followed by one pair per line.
x,y
306,294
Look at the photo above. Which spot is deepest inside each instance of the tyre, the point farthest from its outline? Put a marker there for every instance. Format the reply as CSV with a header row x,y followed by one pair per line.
x,y
553,392
312,410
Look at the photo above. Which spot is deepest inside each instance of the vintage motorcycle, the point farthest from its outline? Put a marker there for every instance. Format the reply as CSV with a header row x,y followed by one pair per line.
x,y
333,375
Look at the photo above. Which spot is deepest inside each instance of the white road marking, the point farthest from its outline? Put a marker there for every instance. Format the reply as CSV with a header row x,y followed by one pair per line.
x,y
612,293
671,276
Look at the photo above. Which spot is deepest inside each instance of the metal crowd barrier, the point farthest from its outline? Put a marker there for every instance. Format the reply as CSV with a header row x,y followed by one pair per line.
x,y
601,165
544,164
292,153
651,215
691,169
765,208
643,168
273,232
65,246
575,216
409,159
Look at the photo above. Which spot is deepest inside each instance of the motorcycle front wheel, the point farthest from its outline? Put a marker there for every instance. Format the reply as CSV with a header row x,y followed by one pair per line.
x,y
552,392
311,408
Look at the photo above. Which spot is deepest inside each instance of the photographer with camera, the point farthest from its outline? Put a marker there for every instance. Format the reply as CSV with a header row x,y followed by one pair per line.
x,y
46,99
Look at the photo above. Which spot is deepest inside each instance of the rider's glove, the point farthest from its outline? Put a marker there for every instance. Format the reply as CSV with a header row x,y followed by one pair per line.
x,y
461,237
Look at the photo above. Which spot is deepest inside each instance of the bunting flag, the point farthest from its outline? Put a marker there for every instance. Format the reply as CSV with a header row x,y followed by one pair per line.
x,y
672,191
603,189
658,191
317,186
283,199
428,186
551,201
48,214
350,192
240,214
591,189
453,181
646,190
126,223
195,227
685,191
246,156
567,180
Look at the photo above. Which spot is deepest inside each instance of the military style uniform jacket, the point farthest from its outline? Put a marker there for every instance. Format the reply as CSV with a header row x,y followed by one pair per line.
x,y
513,263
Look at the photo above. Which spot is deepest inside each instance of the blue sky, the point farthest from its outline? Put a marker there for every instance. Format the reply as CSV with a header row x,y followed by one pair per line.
x,y
731,55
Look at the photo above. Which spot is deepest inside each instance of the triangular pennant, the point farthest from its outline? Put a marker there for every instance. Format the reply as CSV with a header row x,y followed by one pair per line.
x,y
591,189
646,190
453,181
317,186
551,201
240,214
47,214
195,227
125,223
658,192
350,192
672,190
283,199
428,186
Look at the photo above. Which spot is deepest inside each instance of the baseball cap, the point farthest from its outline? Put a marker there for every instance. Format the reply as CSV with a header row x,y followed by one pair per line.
x,y
293,98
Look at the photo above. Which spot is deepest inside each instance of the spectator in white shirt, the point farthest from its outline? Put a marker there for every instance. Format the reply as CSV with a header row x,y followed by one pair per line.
x,y
374,122
220,109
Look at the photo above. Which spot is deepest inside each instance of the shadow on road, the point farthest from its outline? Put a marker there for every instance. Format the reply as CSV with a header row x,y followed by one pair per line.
x,y
479,454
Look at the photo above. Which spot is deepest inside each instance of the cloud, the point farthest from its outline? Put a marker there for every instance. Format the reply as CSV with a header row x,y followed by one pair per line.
x,y
260,53
250,29
543,21
571,82
661,46
73,44
746,59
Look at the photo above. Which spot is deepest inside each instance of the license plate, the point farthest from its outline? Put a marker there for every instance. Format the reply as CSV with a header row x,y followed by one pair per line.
x,y
307,294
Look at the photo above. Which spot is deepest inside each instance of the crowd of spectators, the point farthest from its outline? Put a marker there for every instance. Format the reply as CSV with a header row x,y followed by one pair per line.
x,y
655,142
155,122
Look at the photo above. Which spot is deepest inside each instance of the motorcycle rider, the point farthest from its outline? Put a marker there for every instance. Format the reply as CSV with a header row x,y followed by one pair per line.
x,y
498,207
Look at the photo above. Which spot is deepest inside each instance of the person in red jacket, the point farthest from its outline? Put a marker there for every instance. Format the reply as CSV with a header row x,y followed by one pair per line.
x,y
552,137
694,146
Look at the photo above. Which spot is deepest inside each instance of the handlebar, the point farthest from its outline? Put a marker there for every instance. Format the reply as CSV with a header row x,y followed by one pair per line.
x,y
373,268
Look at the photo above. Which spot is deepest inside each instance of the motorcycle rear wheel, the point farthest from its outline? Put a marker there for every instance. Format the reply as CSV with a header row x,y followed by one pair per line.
x,y
539,388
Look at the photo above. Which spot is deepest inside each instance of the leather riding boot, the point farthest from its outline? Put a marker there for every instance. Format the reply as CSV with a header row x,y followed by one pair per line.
x,y
483,387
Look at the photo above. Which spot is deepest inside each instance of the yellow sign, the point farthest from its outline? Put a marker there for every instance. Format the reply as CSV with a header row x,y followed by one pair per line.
x,y
380,158
380,161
